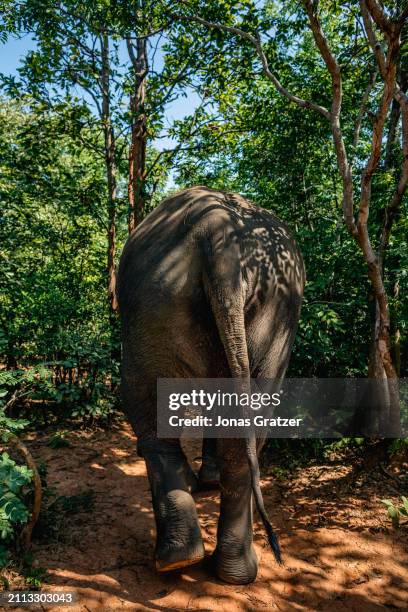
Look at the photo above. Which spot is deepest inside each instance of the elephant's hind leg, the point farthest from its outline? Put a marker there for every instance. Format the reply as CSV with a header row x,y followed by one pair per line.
x,y
209,474
171,479
235,558
179,541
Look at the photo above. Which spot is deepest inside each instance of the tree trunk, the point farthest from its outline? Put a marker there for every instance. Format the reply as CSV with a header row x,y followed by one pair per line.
x,y
137,151
380,337
384,404
392,136
110,163
26,533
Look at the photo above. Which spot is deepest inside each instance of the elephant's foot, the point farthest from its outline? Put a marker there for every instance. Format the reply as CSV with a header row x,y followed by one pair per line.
x,y
179,542
235,564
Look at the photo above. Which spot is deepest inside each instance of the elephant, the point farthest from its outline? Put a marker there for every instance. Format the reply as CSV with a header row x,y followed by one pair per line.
x,y
209,286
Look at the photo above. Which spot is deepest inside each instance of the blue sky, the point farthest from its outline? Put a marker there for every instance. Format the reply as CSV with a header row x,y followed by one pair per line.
x,y
14,50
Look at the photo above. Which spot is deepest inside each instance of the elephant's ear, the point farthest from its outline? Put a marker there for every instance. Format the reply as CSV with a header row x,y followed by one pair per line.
x,y
225,292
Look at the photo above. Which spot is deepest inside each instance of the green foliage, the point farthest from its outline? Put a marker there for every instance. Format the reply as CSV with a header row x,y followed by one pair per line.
x,y
55,336
59,440
400,445
16,385
4,557
292,453
15,480
34,575
396,513
15,483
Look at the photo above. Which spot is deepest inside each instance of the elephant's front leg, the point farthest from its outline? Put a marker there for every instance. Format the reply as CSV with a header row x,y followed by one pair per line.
x,y
235,558
171,480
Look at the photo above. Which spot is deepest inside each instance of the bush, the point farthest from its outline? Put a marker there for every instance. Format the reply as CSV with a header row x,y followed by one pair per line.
x,y
20,486
15,491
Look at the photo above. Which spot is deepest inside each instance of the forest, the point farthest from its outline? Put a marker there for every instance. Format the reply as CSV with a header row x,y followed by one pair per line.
x,y
301,107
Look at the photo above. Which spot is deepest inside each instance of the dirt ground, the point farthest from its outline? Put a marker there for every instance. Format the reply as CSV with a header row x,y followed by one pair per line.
x,y
339,550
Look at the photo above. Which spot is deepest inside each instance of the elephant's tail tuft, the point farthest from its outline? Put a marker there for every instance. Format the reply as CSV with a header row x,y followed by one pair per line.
x,y
256,489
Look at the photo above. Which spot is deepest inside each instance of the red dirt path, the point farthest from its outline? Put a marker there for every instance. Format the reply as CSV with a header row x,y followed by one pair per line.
x,y
338,549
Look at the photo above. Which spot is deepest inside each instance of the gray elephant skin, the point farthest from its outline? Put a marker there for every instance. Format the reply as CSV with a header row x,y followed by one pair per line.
x,y
209,286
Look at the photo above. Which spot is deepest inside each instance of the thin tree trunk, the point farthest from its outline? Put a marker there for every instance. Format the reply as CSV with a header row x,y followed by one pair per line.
x,y
397,337
26,533
376,367
110,162
137,151
381,363
392,136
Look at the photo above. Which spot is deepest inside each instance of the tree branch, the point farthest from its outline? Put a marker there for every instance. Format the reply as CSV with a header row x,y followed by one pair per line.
x,y
28,528
372,163
257,43
396,200
380,18
334,116
372,38
131,51
403,16
175,81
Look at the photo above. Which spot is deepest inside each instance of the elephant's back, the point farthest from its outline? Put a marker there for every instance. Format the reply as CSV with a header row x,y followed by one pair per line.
x,y
163,253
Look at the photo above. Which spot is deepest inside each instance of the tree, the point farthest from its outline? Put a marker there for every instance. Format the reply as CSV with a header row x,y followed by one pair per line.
x,y
74,54
53,241
390,27
151,89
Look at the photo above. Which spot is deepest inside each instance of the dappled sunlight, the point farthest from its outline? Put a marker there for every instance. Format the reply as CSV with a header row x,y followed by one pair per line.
x,y
96,466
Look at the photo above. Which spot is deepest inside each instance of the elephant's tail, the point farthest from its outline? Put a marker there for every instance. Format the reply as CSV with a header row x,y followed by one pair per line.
x,y
256,489
224,288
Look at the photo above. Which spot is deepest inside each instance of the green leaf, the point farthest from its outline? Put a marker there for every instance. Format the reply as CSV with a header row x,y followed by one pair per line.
x,y
14,509
394,515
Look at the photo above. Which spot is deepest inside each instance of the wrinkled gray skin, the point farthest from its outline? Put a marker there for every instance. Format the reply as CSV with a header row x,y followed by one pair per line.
x,y
209,286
